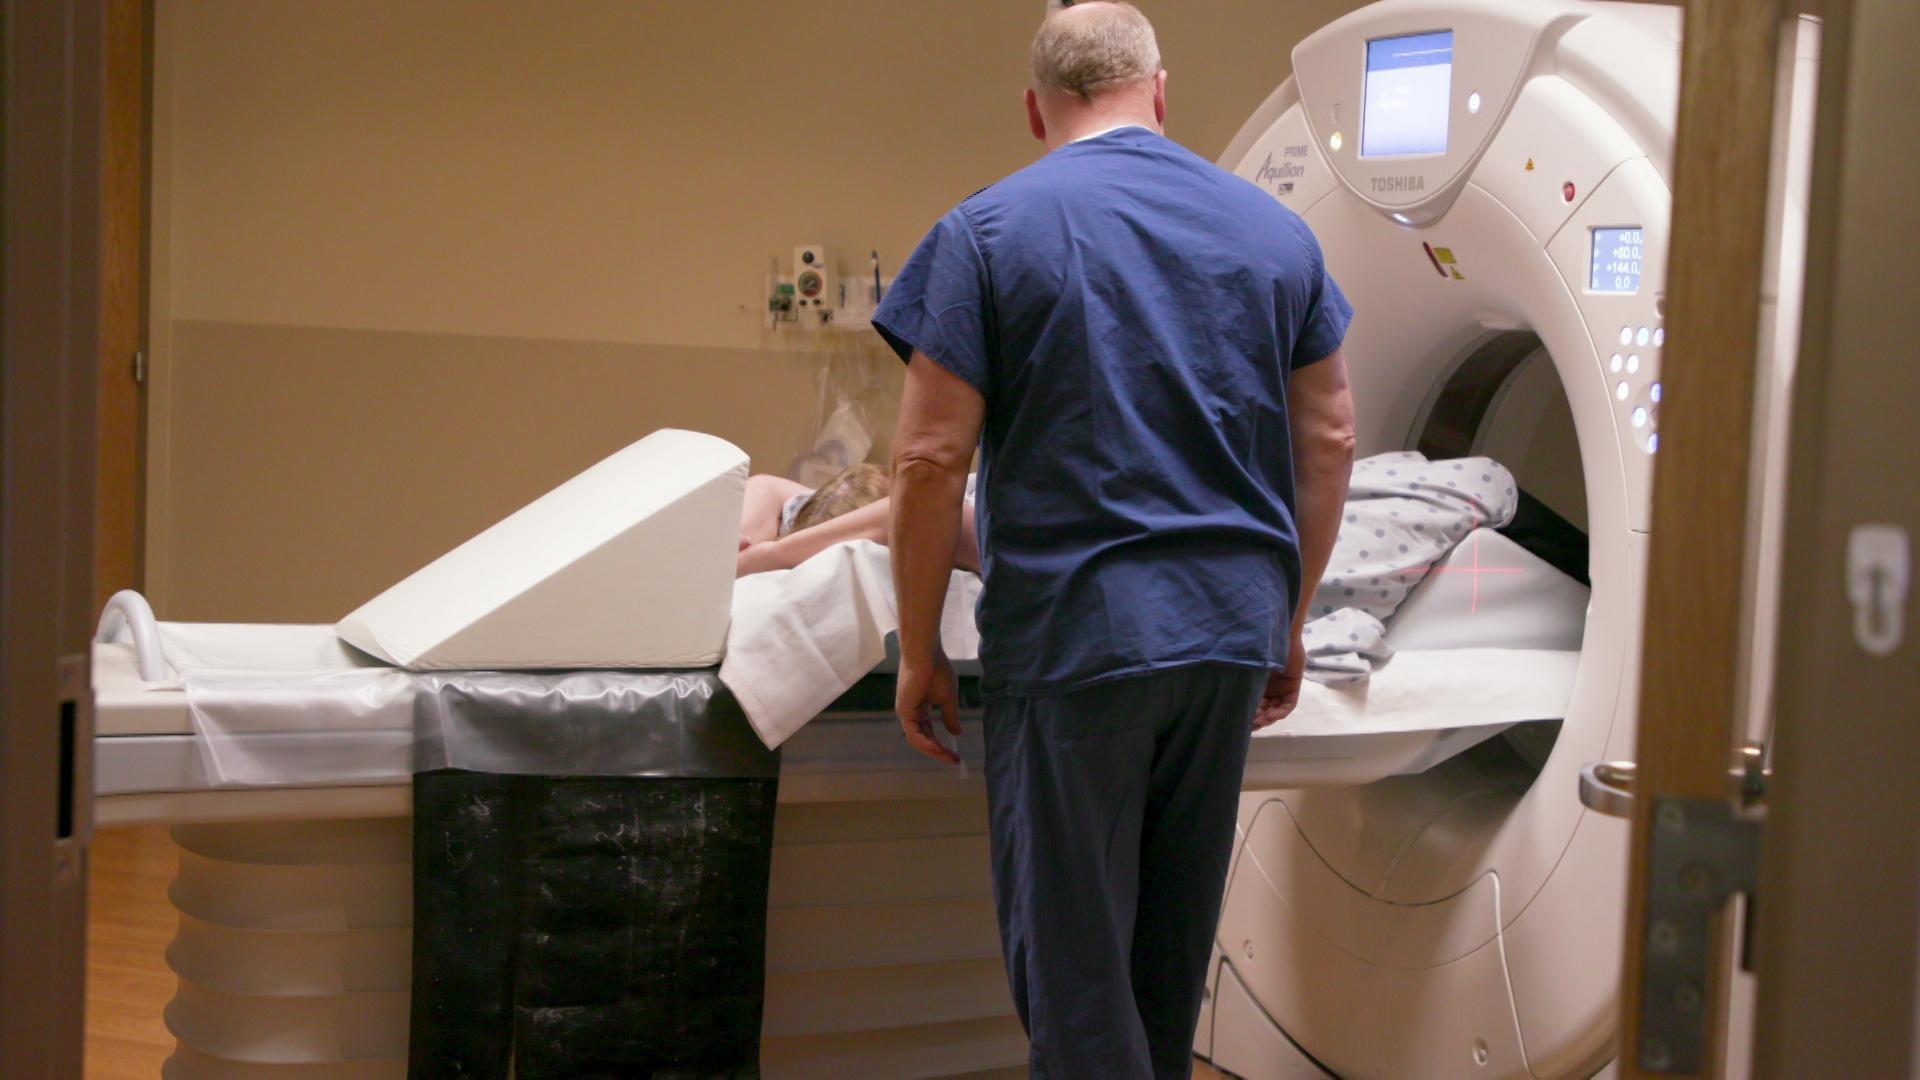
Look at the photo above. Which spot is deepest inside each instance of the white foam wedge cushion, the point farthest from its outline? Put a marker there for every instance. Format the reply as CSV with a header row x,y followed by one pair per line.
x,y
628,565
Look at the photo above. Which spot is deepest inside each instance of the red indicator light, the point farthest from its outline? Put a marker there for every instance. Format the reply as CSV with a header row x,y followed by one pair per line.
x,y
1567,190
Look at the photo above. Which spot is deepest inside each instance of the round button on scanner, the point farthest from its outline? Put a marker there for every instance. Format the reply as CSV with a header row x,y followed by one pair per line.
x,y
1622,391
1654,393
1614,363
1653,443
1645,335
1626,335
1640,417
1473,102
1659,337
1633,364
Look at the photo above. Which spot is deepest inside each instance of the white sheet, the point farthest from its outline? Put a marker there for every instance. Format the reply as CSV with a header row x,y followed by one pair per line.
x,y
1432,689
800,638
257,647
1420,689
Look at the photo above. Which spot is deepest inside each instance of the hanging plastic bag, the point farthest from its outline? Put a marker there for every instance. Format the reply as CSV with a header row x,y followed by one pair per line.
x,y
854,411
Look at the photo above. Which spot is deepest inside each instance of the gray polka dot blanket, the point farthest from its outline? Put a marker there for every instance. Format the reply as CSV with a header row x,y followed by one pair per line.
x,y
1404,515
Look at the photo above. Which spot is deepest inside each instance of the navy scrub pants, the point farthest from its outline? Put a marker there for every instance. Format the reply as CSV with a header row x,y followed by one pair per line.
x,y
1112,813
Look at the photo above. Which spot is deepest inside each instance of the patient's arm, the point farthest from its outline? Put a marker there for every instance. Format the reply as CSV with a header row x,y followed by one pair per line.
x,y
760,512
1320,422
867,523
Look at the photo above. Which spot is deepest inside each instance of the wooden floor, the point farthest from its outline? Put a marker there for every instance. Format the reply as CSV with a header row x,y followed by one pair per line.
x,y
130,923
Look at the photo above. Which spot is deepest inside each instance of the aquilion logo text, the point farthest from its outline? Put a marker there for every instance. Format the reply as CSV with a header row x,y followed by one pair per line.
x,y
1271,173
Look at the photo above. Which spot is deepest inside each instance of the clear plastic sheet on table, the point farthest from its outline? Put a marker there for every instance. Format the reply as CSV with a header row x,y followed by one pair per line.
x,y
372,725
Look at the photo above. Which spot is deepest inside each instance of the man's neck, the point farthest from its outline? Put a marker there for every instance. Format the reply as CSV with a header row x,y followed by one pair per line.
x,y
1093,122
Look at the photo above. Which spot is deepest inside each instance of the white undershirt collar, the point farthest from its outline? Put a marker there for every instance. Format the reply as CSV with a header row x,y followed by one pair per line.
x,y
1105,131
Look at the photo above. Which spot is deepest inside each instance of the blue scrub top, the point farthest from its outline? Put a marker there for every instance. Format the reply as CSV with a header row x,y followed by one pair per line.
x,y
1130,313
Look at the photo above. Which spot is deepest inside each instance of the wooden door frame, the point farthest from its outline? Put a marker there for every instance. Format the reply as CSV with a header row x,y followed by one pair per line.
x,y
1692,662
120,494
50,243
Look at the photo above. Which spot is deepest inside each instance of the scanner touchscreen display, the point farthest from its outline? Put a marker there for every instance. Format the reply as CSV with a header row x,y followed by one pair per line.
x,y
1409,83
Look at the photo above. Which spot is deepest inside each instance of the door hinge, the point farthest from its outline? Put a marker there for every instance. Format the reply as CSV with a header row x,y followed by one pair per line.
x,y
1702,853
140,367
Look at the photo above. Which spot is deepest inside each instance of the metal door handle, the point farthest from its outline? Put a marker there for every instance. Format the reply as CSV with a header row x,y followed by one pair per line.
x,y
1607,787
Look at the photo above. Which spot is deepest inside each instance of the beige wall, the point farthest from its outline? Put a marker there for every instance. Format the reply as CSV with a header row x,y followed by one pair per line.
x,y
416,262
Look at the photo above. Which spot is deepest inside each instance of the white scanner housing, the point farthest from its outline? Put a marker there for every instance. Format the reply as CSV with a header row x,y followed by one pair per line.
x,y
1490,181
628,565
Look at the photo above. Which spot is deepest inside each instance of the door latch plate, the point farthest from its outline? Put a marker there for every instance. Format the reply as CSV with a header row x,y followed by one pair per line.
x,y
1703,852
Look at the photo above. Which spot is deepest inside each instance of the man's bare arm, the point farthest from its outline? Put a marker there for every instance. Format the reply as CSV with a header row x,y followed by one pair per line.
x,y
1320,421
940,420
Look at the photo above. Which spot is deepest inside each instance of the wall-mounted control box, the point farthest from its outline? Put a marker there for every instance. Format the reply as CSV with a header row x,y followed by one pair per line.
x,y
814,286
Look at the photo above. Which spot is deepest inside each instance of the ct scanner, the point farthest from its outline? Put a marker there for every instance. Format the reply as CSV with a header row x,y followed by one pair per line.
x,y
1490,180
1429,900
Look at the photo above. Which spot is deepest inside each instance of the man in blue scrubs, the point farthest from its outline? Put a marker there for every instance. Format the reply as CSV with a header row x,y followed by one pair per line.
x,y
1146,349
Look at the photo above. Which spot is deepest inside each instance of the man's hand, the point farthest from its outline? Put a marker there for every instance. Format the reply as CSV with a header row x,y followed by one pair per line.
x,y
1283,688
920,689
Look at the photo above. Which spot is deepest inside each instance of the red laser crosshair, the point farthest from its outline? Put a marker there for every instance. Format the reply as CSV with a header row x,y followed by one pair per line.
x,y
1475,570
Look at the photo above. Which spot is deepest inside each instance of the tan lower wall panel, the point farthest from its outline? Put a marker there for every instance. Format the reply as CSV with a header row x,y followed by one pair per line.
x,y
310,467
953,1049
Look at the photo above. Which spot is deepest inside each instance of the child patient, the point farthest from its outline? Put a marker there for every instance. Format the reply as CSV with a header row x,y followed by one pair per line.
x,y
784,523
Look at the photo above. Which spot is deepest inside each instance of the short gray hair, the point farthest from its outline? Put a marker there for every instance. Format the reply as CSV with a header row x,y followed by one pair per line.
x,y
1086,48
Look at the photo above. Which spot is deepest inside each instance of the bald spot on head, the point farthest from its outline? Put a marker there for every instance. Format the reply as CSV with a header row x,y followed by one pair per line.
x,y
1088,48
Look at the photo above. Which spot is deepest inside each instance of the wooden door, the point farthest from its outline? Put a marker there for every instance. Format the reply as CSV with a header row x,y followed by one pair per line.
x,y
120,405
1838,918
51,59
